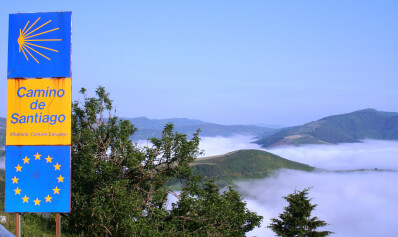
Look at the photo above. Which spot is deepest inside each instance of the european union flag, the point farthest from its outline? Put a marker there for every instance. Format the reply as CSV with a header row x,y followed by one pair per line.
x,y
39,45
37,179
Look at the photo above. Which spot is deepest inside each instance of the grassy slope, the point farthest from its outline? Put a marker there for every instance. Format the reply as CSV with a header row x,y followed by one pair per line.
x,y
351,127
244,164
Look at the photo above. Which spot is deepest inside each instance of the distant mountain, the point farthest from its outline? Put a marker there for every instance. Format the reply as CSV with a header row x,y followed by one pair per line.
x,y
148,128
266,125
243,164
213,130
344,128
158,124
153,128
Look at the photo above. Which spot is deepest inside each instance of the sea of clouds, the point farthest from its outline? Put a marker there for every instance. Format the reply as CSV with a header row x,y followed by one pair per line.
x,y
354,203
220,145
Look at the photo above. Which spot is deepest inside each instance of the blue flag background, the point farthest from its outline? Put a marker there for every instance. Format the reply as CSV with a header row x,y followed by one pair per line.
x,y
46,41
38,179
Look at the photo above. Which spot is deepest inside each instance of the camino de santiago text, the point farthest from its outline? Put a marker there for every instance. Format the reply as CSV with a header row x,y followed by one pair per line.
x,y
38,105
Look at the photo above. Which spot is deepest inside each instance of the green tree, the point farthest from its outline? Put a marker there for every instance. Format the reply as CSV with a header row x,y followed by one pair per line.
x,y
296,220
120,189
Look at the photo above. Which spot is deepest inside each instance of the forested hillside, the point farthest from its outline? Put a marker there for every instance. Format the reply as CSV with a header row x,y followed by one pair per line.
x,y
244,164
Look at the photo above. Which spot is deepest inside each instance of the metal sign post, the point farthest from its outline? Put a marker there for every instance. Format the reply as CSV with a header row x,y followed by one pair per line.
x,y
38,138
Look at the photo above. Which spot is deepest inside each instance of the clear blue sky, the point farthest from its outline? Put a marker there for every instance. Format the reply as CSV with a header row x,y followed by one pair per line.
x,y
230,62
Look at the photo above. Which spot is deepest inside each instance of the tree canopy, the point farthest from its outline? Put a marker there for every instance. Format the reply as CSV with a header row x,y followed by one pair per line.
x,y
121,189
296,219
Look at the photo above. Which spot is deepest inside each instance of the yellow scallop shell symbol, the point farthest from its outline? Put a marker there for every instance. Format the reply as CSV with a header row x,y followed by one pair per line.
x,y
25,38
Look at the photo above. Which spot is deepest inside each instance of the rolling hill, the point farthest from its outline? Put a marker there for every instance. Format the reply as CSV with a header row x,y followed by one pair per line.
x,y
243,164
344,128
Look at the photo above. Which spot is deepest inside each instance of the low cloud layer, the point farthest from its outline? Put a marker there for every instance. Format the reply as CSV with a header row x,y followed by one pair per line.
x,y
221,145
355,204
218,145
360,203
367,155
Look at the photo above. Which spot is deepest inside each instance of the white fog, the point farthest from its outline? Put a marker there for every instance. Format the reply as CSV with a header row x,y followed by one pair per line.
x,y
357,203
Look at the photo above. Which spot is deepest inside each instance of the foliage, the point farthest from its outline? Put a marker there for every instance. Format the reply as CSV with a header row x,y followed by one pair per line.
x,y
210,214
296,220
120,189
31,224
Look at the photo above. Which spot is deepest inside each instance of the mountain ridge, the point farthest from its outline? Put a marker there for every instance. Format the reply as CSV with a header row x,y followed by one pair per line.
x,y
147,128
343,128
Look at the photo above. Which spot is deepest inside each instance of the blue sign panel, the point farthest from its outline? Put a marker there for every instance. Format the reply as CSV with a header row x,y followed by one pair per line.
x,y
39,45
38,179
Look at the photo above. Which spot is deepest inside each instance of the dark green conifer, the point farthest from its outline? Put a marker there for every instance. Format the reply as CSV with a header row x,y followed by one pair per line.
x,y
296,219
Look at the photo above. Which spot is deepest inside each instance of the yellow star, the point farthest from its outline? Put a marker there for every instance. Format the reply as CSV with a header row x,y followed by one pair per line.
x,y
19,168
60,179
15,180
17,191
56,190
25,199
57,166
49,159
48,198
26,160
37,201
37,156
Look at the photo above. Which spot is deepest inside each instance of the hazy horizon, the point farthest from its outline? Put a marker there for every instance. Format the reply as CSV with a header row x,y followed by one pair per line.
x,y
254,124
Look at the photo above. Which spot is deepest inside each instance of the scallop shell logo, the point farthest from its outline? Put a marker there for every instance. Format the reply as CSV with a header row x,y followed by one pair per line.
x,y
26,38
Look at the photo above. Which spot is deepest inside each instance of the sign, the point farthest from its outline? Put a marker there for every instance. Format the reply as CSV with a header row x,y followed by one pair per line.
x,y
39,112
38,179
38,151
39,45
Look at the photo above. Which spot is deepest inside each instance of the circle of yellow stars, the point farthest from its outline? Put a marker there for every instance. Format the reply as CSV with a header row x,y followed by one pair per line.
x,y
37,201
